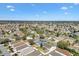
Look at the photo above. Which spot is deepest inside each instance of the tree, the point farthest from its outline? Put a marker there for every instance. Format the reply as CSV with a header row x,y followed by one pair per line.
x,y
55,29
76,41
39,31
31,42
41,44
11,49
5,41
24,37
42,37
3,32
15,54
0,51
18,38
15,35
24,30
63,44
33,36
57,34
75,53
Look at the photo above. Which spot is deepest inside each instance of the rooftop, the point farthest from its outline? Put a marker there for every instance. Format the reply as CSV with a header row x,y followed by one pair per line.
x,y
34,53
26,51
54,53
65,52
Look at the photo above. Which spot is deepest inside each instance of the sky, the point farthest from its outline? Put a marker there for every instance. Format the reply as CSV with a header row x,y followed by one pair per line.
x,y
39,11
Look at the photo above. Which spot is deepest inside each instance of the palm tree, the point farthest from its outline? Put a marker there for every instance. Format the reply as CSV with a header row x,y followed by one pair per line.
x,y
41,43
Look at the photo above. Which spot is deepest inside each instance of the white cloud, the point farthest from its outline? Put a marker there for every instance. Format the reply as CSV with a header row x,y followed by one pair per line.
x,y
64,8
76,3
66,13
70,6
44,12
10,7
37,15
33,4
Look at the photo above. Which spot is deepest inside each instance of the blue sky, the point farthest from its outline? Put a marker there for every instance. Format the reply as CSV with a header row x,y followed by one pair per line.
x,y
39,11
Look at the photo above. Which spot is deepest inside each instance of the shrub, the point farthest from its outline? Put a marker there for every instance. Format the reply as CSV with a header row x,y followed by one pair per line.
x,y
63,44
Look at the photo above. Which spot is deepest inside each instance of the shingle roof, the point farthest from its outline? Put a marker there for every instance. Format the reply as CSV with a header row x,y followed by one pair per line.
x,y
21,47
18,43
26,51
53,53
35,53
65,52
